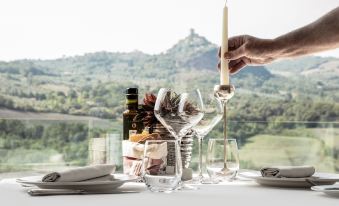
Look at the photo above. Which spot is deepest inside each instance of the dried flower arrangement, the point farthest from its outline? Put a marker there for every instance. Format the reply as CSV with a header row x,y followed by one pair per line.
x,y
169,105
146,111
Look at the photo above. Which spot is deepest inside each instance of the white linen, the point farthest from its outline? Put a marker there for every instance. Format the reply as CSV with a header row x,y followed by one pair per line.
x,y
79,174
236,193
288,171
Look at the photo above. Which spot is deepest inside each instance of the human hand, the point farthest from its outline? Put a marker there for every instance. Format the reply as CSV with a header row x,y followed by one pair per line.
x,y
247,50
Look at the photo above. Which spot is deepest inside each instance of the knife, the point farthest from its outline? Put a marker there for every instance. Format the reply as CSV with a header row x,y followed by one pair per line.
x,y
331,188
45,192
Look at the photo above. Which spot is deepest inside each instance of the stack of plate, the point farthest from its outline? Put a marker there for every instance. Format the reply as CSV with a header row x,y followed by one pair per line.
x,y
303,182
88,186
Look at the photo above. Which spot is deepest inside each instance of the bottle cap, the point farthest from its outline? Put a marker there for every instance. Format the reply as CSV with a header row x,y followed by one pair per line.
x,y
132,90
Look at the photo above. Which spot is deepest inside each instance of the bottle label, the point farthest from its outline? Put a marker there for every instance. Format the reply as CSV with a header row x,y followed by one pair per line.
x,y
131,101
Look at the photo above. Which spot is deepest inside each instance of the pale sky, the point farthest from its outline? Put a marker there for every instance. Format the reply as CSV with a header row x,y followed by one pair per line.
x,y
52,28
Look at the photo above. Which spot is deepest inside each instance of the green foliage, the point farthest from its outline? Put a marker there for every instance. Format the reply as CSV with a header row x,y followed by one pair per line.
x,y
68,139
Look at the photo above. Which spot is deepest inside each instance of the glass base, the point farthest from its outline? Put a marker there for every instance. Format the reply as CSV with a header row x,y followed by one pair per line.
x,y
161,190
184,186
208,181
226,177
198,180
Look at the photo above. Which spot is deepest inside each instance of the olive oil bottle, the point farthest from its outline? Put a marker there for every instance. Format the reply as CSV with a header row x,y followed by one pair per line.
x,y
130,126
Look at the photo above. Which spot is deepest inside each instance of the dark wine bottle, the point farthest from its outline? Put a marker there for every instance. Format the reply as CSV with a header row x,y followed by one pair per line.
x,y
130,126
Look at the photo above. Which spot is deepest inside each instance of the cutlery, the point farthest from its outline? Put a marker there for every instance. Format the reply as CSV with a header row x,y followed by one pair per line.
x,y
322,188
45,192
332,188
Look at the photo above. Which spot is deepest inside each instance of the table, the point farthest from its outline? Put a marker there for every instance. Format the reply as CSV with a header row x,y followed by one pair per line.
x,y
226,194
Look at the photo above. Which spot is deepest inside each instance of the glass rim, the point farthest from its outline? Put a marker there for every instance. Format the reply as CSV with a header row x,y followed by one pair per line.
x,y
233,139
173,90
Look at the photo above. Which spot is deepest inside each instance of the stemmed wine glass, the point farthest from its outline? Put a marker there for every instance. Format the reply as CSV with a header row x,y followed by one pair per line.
x,y
213,113
178,113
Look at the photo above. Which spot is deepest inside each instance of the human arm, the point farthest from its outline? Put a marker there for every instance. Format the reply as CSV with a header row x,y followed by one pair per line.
x,y
321,35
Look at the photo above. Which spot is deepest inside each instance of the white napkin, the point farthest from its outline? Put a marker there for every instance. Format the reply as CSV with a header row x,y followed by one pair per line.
x,y
288,171
101,179
136,150
157,151
79,174
132,149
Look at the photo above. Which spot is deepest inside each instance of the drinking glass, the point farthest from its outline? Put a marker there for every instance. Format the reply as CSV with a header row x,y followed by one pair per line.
x,y
215,159
213,113
161,167
178,113
105,149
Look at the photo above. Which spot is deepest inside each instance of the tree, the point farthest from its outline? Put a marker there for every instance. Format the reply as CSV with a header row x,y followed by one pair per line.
x,y
72,94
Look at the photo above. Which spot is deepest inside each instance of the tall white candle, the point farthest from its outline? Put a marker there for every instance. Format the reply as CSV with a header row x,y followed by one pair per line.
x,y
224,72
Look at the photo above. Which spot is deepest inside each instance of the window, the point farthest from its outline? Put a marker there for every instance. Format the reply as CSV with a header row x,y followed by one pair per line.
x,y
53,106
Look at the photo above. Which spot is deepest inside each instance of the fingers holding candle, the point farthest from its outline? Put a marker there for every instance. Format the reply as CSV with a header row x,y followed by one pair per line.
x,y
247,50
236,42
236,65
235,54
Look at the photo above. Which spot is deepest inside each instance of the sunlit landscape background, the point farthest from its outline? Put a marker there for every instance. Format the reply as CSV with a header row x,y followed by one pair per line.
x,y
64,66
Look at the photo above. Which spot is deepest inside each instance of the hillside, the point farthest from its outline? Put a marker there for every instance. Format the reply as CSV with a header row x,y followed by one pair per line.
x,y
93,84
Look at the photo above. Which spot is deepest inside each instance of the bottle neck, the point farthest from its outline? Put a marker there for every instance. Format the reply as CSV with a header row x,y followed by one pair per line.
x,y
132,103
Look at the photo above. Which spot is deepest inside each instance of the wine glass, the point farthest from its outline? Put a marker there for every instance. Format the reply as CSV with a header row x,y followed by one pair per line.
x,y
215,159
213,113
178,113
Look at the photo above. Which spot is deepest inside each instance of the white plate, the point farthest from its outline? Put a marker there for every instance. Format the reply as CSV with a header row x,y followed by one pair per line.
x,y
332,190
316,179
85,185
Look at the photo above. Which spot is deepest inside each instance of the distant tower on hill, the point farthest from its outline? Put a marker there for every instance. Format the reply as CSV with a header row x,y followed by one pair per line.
x,y
192,32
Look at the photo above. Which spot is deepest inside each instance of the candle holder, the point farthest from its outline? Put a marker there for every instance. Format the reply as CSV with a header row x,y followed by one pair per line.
x,y
224,93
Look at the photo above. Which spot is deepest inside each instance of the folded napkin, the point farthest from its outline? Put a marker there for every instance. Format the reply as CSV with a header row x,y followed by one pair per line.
x,y
288,171
157,151
101,179
80,174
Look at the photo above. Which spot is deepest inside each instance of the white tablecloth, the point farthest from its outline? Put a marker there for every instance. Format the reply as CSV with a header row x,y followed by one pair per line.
x,y
226,194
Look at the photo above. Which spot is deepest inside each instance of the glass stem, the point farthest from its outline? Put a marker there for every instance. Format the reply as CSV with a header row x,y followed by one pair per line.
x,y
182,165
200,158
181,183
225,135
